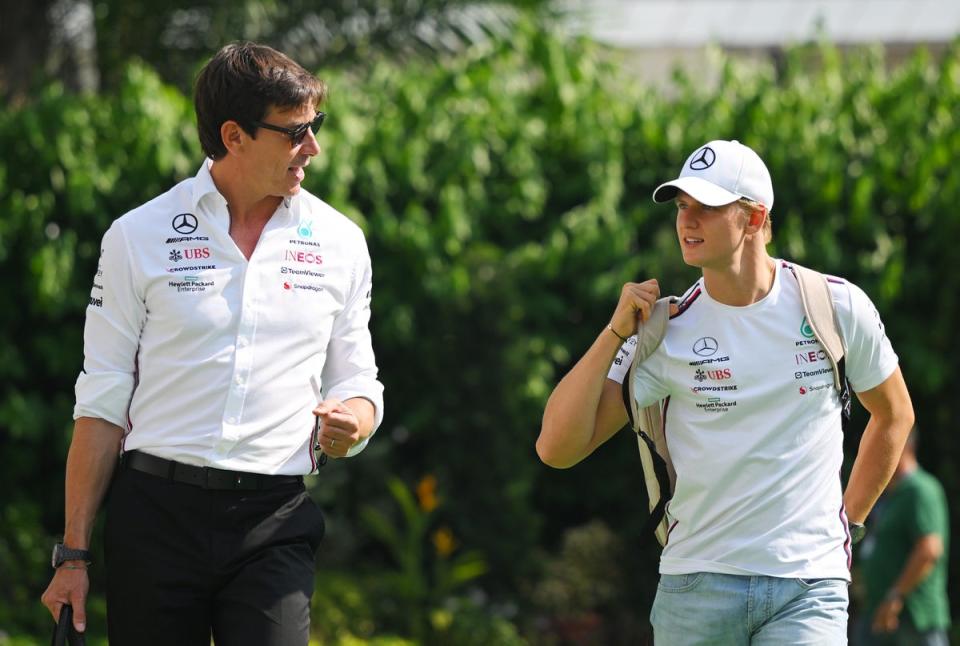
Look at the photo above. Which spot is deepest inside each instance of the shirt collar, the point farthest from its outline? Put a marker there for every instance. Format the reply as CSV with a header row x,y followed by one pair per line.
x,y
203,185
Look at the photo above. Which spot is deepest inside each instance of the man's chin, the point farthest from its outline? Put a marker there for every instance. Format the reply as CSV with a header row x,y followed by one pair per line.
x,y
692,261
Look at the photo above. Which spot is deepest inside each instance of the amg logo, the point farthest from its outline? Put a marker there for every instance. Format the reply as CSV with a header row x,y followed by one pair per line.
x,y
711,360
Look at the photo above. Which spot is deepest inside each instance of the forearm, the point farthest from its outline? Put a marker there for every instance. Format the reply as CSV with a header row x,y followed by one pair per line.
x,y
93,455
917,569
880,449
570,417
891,418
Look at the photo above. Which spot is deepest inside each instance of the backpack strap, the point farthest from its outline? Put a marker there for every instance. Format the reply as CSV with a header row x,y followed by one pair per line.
x,y
647,423
822,319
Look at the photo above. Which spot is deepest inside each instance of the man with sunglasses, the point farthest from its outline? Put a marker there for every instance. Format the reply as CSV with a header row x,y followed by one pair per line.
x,y
226,355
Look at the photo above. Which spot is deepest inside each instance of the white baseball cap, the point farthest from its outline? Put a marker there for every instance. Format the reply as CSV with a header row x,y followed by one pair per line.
x,y
721,172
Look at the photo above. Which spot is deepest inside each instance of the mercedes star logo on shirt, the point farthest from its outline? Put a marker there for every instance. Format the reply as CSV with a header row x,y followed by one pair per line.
x,y
703,158
185,223
705,346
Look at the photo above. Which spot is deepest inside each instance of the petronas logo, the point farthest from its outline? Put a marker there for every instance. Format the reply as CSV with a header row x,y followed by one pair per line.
x,y
805,328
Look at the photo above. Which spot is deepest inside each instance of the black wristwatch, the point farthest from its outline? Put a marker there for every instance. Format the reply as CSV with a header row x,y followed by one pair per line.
x,y
857,532
61,554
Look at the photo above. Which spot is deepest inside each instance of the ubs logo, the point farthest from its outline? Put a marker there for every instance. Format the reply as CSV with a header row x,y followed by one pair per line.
x,y
705,346
184,223
703,159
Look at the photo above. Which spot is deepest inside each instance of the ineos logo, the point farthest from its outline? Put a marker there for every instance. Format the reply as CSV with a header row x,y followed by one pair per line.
x,y
185,223
705,346
703,158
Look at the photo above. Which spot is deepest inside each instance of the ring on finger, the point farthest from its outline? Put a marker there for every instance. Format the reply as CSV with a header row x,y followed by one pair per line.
x,y
333,442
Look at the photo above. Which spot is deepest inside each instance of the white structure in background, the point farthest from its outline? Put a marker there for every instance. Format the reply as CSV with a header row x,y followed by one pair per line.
x,y
658,35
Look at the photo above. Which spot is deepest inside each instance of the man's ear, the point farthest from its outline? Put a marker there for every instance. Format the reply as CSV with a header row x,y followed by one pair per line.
x,y
233,136
756,219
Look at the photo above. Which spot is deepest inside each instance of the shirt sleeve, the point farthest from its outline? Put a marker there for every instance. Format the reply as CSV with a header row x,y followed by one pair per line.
x,y
870,358
350,369
647,388
111,336
929,511
621,362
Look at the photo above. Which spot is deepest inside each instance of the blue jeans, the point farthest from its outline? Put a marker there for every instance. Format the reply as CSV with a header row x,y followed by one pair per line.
x,y
704,608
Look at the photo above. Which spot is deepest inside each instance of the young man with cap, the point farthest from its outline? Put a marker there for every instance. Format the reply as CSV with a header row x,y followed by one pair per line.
x,y
221,313
758,550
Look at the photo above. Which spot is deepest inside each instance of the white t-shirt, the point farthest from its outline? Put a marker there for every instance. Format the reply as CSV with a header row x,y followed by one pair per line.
x,y
204,356
753,425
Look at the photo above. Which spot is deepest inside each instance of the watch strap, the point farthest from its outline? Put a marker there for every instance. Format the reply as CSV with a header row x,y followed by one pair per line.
x,y
857,532
62,554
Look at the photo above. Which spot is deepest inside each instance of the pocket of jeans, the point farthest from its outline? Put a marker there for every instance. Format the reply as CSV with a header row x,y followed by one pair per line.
x,y
679,582
809,584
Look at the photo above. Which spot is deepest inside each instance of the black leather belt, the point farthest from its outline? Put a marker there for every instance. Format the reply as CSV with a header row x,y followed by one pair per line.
x,y
206,477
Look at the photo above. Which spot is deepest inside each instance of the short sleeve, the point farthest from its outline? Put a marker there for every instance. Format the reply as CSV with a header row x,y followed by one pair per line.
x,y
621,362
870,358
646,386
929,510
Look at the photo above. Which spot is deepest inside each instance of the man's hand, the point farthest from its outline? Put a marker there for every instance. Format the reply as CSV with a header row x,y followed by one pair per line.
x,y
887,617
636,304
69,586
339,427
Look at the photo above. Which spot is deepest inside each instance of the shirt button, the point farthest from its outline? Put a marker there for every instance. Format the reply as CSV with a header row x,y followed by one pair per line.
x,y
239,380
231,420
243,342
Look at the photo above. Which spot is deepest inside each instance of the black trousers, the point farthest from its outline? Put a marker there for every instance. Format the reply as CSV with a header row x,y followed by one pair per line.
x,y
184,563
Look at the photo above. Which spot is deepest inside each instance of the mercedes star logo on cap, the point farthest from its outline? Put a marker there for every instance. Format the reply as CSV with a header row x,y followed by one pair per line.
x,y
703,159
705,346
185,223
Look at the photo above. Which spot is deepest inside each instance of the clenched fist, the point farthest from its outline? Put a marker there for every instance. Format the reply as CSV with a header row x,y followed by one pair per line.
x,y
636,304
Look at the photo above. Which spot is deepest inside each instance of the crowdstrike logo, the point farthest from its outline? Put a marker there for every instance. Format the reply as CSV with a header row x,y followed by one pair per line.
x,y
703,159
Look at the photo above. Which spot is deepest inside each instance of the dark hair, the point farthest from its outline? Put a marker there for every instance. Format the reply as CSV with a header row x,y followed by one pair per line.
x,y
241,82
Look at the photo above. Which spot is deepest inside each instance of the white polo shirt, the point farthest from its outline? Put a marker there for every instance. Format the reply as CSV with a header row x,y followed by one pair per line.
x,y
205,357
753,424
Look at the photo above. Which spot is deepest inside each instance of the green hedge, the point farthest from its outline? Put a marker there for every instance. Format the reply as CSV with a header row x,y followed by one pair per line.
x,y
505,196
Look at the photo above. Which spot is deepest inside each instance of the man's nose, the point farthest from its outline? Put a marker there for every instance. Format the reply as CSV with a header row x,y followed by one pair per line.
x,y
688,217
310,146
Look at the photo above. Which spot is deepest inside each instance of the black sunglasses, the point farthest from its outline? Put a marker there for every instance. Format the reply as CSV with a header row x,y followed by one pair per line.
x,y
296,134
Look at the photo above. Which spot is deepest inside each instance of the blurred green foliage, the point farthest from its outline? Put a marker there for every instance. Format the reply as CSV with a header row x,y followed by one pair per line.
x,y
505,194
